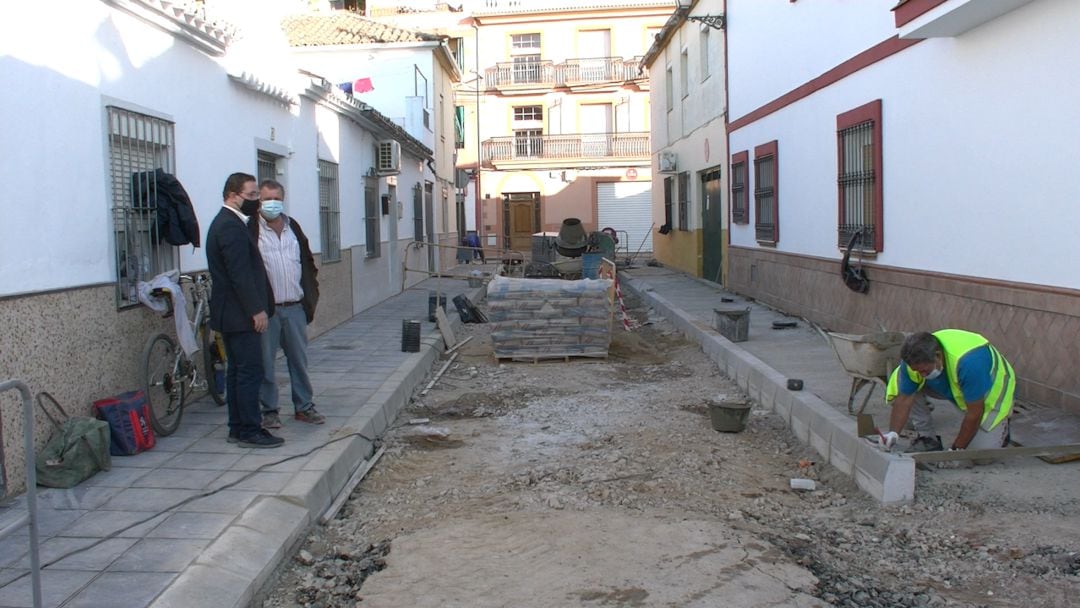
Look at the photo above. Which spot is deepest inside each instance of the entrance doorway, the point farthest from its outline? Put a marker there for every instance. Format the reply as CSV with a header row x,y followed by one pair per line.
x,y
521,219
712,236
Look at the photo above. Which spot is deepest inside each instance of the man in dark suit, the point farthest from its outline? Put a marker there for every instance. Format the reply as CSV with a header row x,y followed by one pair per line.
x,y
241,303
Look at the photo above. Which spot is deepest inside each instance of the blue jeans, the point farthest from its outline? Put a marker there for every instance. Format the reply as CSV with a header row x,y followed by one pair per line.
x,y
245,371
287,329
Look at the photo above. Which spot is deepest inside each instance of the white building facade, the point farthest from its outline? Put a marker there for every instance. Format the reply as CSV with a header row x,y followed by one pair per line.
x,y
931,135
689,140
156,87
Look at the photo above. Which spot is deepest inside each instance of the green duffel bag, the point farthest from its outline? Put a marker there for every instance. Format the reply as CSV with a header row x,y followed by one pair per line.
x,y
78,448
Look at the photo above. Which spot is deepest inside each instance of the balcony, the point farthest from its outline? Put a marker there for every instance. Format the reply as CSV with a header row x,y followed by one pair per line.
x,y
578,149
571,73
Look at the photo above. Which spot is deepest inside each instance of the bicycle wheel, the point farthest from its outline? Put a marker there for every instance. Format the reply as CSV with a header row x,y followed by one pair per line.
x,y
214,364
165,374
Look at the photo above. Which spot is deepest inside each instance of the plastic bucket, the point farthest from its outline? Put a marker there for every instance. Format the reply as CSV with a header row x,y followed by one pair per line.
x,y
590,265
410,336
729,417
733,324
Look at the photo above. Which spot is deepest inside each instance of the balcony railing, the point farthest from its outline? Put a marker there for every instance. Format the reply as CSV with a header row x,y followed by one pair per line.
x,y
577,146
571,72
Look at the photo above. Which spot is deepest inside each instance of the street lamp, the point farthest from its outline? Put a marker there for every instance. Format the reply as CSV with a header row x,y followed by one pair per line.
x,y
717,22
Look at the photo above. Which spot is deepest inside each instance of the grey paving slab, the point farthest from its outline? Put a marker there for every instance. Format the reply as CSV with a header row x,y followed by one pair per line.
x,y
121,477
159,555
136,589
178,479
206,460
56,586
77,498
205,526
145,460
154,500
92,558
124,524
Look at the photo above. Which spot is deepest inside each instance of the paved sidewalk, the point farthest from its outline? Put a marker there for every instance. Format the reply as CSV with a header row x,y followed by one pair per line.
x,y
219,550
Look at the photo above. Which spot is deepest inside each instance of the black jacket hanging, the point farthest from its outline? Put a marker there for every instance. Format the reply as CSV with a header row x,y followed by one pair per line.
x,y
162,192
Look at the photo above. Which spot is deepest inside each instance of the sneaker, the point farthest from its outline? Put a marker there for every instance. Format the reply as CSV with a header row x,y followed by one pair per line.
x,y
261,439
925,443
310,416
270,420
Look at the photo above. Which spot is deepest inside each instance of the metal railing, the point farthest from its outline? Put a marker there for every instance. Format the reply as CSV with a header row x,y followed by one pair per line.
x,y
577,146
30,517
571,72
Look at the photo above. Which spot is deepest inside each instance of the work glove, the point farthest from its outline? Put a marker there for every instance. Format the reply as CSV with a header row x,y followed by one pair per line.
x,y
888,440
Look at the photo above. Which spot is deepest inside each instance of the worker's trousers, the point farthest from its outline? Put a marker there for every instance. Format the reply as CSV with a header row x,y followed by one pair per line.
x,y
923,423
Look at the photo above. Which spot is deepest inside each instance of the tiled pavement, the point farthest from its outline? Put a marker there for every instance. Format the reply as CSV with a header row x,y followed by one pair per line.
x,y
162,541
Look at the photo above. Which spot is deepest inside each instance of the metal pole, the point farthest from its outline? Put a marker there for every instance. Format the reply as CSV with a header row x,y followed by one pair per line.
x,y
31,482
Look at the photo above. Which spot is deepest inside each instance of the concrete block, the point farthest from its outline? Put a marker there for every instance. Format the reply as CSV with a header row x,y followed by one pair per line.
x,y
842,451
801,416
206,587
310,489
782,404
887,477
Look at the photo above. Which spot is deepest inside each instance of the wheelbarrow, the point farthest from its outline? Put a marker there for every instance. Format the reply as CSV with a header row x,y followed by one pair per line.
x,y
868,359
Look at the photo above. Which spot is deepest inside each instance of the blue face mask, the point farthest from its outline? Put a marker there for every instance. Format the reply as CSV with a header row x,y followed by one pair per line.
x,y
272,209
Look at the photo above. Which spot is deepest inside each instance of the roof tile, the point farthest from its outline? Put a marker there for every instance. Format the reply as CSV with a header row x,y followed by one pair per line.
x,y
343,27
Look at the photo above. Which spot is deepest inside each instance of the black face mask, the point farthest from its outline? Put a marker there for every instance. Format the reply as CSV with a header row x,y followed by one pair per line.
x,y
249,206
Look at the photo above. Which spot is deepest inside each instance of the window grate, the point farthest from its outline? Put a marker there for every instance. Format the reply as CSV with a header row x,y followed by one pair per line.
x,y
329,212
266,166
739,208
138,144
857,182
684,201
765,198
418,213
372,219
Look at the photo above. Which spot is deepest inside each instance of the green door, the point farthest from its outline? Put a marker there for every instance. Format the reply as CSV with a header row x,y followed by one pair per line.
x,y
712,216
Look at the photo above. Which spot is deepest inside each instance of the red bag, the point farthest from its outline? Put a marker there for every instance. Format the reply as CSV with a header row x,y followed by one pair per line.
x,y
128,416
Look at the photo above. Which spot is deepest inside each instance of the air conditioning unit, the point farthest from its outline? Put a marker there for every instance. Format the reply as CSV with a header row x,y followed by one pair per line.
x,y
668,162
388,161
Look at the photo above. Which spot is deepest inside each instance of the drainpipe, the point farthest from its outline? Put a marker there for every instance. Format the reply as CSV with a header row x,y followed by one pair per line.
x,y
479,205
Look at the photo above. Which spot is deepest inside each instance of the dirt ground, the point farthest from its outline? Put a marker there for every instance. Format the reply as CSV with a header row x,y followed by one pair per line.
x,y
601,483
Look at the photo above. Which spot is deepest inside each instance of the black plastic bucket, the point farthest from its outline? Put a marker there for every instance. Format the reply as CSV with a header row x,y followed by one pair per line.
x,y
410,336
435,300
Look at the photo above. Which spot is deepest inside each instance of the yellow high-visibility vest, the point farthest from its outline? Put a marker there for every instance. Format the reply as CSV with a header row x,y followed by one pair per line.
x,y
955,343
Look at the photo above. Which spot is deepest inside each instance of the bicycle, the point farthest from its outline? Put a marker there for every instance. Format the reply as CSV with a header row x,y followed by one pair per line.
x,y
169,374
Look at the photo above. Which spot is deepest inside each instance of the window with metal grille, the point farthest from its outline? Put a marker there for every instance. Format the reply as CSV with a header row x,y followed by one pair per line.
x,y
372,218
528,143
528,113
138,145
740,211
766,204
266,166
329,211
669,184
684,200
418,213
858,137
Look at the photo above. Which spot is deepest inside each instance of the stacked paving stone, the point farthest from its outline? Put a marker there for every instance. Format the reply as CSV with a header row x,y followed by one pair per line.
x,y
549,318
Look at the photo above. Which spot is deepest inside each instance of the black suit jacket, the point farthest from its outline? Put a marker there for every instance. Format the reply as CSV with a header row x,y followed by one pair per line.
x,y
309,273
240,289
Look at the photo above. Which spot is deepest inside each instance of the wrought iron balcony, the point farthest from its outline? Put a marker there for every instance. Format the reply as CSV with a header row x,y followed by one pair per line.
x,y
546,74
577,147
